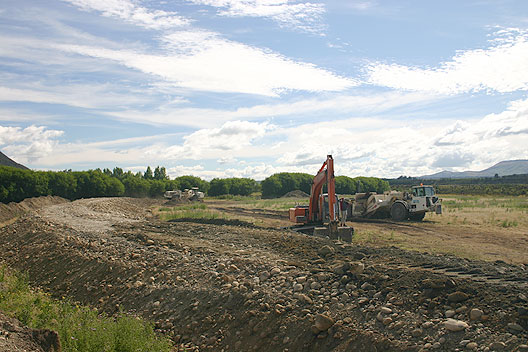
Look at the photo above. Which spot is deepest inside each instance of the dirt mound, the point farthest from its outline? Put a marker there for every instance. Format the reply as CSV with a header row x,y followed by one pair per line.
x,y
296,194
222,287
12,210
16,337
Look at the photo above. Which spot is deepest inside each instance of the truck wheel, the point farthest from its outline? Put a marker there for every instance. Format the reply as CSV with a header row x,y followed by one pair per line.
x,y
417,217
399,212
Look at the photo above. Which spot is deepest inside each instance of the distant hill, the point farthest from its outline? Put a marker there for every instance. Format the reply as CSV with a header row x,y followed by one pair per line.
x,y
504,168
5,161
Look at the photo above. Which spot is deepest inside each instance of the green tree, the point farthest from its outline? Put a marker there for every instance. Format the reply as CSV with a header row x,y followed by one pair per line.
x,y
160,173
148,174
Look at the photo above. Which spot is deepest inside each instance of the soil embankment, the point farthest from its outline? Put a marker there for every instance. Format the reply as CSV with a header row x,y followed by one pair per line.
x,y
239,288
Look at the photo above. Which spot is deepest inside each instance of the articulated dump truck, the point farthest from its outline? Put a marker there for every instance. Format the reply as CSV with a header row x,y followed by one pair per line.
x,y
395,205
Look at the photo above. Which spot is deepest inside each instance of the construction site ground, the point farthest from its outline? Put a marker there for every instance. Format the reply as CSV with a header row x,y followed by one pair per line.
x,y
229,285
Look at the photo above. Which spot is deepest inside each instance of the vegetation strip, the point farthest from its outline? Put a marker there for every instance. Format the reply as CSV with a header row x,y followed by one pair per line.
x,y
80,328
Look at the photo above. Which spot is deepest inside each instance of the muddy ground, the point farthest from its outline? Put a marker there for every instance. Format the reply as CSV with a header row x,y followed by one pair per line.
x,y
216,287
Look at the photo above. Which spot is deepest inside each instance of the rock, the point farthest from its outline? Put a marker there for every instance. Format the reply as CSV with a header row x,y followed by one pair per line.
x,y
522,348
385,310
305,298
325,251
433,283
297,287
457,296
367,286
323,322
387,321
301,279
497,346
417,332
356,268
515,327
455,325
315,285
341,268
275,271
264,276
449,313
472,346
475,314
427,324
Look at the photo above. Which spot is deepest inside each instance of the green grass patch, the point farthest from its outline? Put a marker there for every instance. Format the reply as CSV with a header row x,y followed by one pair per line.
x,y
80,328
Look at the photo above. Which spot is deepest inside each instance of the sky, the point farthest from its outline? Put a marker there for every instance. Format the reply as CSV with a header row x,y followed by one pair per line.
x,y
249,88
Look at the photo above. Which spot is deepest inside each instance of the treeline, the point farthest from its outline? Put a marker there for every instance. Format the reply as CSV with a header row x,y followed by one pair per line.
x,y
496,180
17,184
483,189
279,184
233,186
511,185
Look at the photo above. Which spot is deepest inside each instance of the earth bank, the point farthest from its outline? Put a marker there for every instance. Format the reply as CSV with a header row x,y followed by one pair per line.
x,y
225,287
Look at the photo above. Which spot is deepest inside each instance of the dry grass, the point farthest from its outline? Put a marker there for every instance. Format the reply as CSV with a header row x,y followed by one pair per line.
x,y
475,227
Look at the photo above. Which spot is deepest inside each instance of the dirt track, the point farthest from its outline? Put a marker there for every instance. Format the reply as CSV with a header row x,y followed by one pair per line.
x,y
243,288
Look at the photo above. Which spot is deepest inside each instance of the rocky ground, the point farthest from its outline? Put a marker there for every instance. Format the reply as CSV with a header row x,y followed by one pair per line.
x,y
230,287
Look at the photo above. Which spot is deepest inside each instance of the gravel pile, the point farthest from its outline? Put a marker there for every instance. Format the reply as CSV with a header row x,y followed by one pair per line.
x,y
233,288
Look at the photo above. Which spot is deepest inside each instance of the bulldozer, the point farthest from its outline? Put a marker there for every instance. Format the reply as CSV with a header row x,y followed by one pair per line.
x,y
396,205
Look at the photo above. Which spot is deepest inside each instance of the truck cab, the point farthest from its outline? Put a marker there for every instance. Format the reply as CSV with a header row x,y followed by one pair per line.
x,y
424,199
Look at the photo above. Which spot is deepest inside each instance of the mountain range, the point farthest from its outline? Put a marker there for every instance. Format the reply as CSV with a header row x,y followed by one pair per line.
x,y
504,168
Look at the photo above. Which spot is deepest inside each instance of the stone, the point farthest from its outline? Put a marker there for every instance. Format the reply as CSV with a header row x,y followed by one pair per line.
x,y
475,314
472,346
356,268
455,325
275,271
449,313
457,296
497,346
385,310
325,251
522,348
387,321
515,327
305,298
417,332
264,276
301,279
323,322
341,268
297,287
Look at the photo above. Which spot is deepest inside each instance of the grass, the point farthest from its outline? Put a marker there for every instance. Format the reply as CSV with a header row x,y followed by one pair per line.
x,y
192,211
80,328
269,204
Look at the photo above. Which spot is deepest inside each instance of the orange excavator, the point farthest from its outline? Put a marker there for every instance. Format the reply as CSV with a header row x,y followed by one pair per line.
x,y
323,207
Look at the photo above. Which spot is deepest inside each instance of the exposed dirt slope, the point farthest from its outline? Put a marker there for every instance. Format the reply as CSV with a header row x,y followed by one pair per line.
x,y
242,288
16,337
12,210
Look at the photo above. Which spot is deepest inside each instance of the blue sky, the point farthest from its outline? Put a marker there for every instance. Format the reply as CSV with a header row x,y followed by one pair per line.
x,y
247,88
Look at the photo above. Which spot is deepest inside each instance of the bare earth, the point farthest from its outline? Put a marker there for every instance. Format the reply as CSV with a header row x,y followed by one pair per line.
x,y
239,287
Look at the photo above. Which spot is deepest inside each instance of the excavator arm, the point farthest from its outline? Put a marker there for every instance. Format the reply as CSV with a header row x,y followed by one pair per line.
x,y
324,175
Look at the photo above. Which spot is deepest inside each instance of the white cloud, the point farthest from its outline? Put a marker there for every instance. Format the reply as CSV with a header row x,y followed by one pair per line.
x,y
337,105
84,96
211,63
360,146
305,16
28,144
131,12
502,67
223,142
